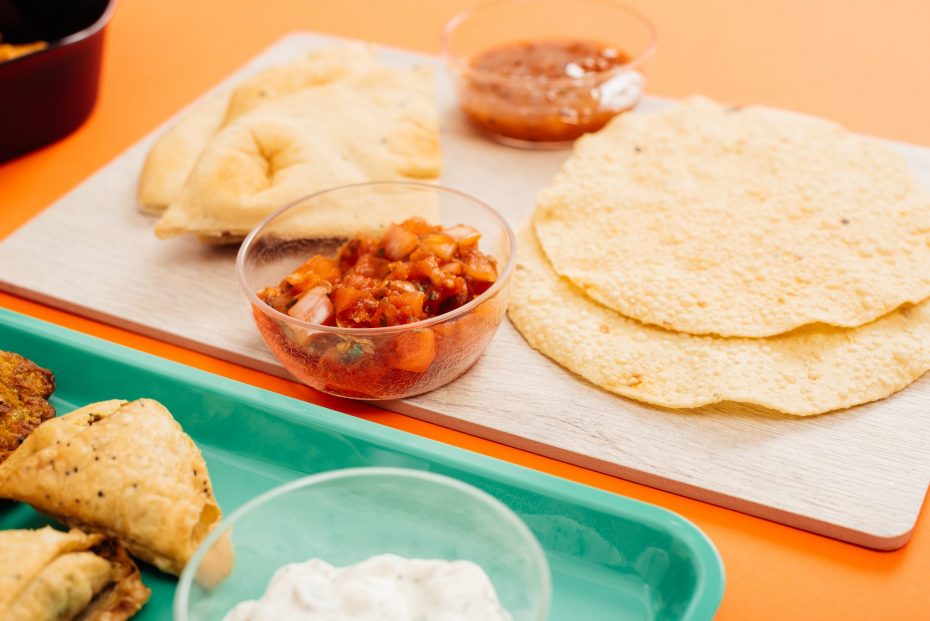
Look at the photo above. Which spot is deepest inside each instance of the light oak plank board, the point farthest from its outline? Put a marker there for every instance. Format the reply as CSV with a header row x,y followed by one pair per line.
x,y
859,475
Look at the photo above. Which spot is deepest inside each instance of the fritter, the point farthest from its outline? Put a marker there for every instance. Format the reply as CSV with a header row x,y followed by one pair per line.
x,y
24,392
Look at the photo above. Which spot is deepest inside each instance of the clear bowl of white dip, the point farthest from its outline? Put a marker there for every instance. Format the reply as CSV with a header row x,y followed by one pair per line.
x,y
370,543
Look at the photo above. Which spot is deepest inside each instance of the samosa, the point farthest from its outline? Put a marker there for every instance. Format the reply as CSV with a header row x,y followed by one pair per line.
x,y
49,575
126,470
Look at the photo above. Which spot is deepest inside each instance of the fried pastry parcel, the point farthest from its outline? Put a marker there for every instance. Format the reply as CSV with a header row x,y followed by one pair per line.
x,y
127,470
47,574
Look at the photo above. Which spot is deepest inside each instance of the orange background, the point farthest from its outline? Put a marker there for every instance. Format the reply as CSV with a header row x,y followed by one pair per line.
x,y
865,64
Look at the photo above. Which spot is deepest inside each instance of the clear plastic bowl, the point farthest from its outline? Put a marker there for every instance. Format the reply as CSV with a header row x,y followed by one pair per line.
x,y
355,362
546,113
347,516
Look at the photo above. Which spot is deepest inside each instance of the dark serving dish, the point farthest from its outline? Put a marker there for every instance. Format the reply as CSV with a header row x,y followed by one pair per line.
x,y
49,93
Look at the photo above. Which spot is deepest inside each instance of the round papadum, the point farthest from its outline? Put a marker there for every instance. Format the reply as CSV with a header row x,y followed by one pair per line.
x,y
811,370
738,222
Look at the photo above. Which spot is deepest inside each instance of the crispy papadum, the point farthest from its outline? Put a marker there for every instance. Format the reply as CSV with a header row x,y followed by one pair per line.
x,y
48,575
709,219
127,470
811,370
172,157
380,125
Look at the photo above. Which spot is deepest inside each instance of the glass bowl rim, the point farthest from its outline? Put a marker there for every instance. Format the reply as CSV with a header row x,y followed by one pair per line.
x,y
461,65
502,277
188,575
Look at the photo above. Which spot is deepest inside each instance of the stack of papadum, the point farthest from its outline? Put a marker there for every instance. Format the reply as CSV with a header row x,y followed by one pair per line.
x,y
125,478
705,253
334,117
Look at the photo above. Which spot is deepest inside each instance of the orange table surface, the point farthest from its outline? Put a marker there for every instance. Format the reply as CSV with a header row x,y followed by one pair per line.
x,y
864,64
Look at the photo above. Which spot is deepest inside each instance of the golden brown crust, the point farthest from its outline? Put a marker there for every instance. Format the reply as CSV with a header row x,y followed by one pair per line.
x,y
172,157
701,219
47,574
24,392
126,594
93,469
380,125
809,371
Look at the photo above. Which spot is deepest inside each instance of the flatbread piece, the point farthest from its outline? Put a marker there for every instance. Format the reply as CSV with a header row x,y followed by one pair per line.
x,y
376,126
172,157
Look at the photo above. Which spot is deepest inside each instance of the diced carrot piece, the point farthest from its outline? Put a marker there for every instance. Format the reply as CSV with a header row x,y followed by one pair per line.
x,y
418,226
353,249
371,266
399,271
428,268
465,235
418,255
442,246
345,298
411,301
480,267
386,315
358,281
453,267
414,351
302,280
402,286
324,267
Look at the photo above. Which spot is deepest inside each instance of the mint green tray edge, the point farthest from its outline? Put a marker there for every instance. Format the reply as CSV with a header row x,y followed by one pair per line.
x,y
708,565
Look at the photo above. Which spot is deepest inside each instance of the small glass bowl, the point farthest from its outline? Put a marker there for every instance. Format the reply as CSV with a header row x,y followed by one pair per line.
x,y
354,362
346,516
540,112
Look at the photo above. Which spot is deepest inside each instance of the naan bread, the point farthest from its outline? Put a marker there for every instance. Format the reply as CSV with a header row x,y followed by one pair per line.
x,y
123,469
48,575
738,222
174,154
808,371
322,66
380,125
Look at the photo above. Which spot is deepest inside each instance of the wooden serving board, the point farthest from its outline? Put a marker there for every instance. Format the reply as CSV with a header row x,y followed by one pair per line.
x,y
859,475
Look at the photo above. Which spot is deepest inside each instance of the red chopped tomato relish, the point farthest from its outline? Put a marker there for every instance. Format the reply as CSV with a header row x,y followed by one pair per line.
x,y
414,272
550,58
547,90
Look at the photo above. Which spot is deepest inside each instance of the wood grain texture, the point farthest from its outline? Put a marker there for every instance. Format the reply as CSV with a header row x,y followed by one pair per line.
x,y
859,475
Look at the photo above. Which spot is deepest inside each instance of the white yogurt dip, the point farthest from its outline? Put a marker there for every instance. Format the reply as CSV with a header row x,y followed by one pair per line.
x,y
383,588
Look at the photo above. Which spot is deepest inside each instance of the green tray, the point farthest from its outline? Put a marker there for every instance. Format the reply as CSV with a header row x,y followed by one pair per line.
x,y
612,558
